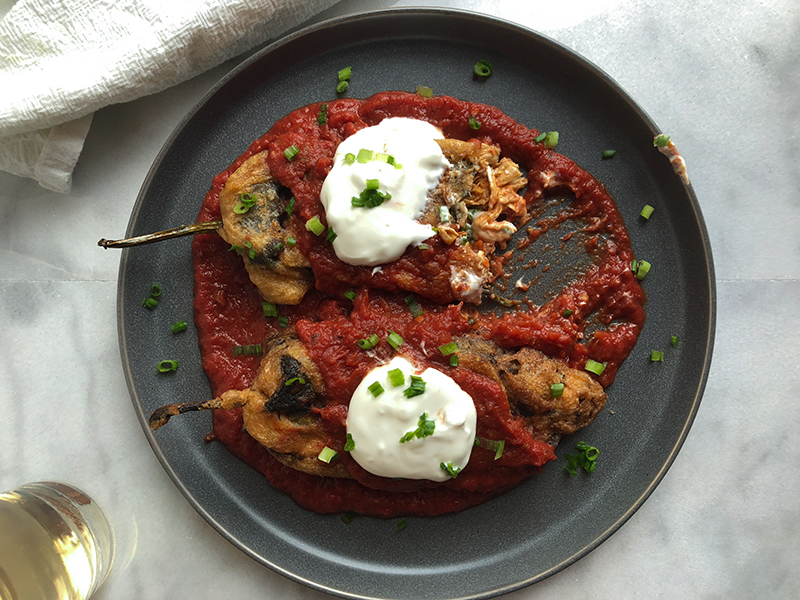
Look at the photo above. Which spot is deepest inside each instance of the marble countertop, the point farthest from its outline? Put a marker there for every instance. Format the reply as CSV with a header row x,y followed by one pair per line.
x,y
723,78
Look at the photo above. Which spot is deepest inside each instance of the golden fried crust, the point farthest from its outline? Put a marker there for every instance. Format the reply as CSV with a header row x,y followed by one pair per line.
x,y
280,271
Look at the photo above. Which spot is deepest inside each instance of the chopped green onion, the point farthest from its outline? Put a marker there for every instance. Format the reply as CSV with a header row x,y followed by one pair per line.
x,y
179,326
424,247
496,446
448,349
642,269
370,198
349,158
331,235
270,309
150,303
444,214
248,350
290,241
373,184
674,341
350,295
348,517
369,343
246,202
609,153
322,116
401,524
283,321
396,377
413,306
341,88
586,459
454,360
314,225
345,73
394,340
568,312
364,155
424,91
656,356
425,428
299,380
291,152
251,251
647,211
473,123
290,206
556,390
540,137
416,388
551,139
483,68
595,367
661,140
376,388
155,290
165,366
350,444
450,469
327,454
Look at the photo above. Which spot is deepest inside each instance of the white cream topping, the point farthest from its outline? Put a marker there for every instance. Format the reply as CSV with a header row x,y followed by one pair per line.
x,y
375,236
377,423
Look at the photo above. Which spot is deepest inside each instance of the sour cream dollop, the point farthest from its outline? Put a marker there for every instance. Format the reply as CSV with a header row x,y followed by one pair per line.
x,y
377,423
375,236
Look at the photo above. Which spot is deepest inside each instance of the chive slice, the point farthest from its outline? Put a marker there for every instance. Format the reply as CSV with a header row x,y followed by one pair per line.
x,y
350,295
246,202
595,367
283,321
165,366
299,380
647,211
642,269
331,235
269,309
483,68
540,137
342,86
376,388
290,241
609,153
314,225
350,444
448,349
425,428
248,350
551,139
327,455
416,388
567,313
661,140
454,360
364,155
394,340
373,184
291,152
473,123
586,459
424,247
155,290
368,343
495,446
401,524
349,158
556,390
656,356
179,326
348,517
450,469
413,306
345,73
290,206
396,377
674,341
150,303
424,91
322,116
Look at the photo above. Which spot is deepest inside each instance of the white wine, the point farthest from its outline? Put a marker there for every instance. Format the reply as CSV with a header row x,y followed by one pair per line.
x,y
55,544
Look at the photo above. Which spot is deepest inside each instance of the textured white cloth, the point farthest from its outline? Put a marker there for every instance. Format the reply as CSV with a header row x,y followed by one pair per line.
x,y
61,60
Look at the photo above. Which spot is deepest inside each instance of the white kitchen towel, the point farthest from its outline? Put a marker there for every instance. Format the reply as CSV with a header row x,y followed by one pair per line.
x,y
61,60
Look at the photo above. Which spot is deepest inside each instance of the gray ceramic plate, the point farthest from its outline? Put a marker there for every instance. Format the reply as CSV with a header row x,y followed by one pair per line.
x,y
551,520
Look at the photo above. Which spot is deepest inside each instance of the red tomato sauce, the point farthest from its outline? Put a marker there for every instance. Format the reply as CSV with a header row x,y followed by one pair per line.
x,y
228,309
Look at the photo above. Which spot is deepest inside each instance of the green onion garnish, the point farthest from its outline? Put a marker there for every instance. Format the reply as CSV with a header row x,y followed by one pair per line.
x,y
369,343
495,446
376,388
322,116
327,454
595,367
556,390
568,312
551,139
448,349
424,91
674,341
450,469
269,309
370,198
283,321
454,360
394,340
155,290
586,459
349,158
425,427
424,247
290,206
345,73
642,269
165,366
373,184
364,155
150,303
483,68
299,380
350,444
413,306
251,251
609,153
342,86
291,152
416,388
661,140
348,517
331,235
656,356
540,137
248,350
179,326
401,524
290,241
350,295
647,211
473,123
396,377
314,225
246,202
